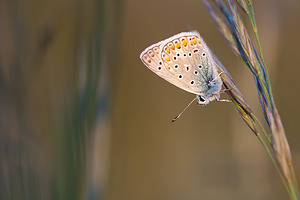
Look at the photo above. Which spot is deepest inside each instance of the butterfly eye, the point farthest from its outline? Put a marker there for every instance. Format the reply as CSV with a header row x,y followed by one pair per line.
x,y
201,99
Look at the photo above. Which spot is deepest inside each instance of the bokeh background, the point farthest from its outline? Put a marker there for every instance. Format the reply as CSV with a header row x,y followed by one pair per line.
x,y
82,118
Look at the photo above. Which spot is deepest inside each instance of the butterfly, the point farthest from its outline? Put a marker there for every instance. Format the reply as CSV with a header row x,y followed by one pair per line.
x,y
186,61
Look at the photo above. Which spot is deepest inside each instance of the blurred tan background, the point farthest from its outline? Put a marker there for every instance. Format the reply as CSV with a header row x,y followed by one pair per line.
x,y
82,118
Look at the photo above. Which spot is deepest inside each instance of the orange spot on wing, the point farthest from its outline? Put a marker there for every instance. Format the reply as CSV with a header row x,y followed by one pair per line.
x,y
195,41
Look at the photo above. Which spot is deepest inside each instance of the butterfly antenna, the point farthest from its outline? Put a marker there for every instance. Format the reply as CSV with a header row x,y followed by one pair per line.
x,y
175,118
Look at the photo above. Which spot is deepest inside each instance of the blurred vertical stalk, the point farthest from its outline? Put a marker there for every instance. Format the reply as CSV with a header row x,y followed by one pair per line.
x,y
54,97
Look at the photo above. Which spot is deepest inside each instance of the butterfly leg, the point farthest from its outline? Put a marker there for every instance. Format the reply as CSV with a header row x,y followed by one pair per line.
x,y
216,77
222,91
222,100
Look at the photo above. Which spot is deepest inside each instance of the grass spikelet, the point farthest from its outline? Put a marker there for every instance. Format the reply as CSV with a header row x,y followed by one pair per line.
x,y
231,25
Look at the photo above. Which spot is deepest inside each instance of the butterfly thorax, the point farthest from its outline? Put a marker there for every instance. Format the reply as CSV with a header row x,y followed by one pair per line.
x,y
212,92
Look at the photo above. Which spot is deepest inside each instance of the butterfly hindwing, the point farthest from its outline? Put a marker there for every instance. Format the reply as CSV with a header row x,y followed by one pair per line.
x,y
188,61
152,59
184,60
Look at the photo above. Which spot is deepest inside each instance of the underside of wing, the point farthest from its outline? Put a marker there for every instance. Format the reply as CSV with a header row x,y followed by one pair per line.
x,y
152,59
189,60
184,60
